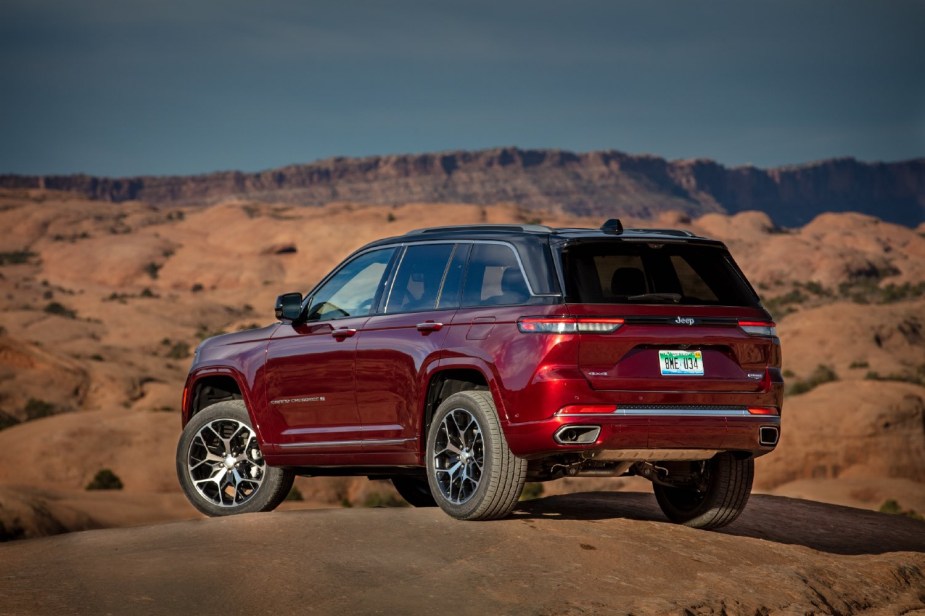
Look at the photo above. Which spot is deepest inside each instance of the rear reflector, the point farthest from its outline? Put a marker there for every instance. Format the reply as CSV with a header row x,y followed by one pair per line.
x,y
758,328
760,410
566,325
585,409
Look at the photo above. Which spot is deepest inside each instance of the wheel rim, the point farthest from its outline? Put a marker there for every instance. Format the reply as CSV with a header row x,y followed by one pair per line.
x,y
459,456
225,463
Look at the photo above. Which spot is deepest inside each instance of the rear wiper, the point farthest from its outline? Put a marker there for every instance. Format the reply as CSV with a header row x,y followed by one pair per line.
x,y
658,297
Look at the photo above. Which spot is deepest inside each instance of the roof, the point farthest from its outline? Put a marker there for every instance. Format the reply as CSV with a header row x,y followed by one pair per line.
x,y
481,230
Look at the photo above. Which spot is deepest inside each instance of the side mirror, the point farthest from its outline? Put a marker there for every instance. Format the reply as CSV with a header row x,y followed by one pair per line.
x,y
289,306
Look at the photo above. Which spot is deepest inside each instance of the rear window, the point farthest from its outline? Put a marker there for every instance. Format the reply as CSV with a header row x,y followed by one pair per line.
x,y
619,272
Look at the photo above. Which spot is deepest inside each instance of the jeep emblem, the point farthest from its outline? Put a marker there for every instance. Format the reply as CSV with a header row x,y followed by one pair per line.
x,y
684,321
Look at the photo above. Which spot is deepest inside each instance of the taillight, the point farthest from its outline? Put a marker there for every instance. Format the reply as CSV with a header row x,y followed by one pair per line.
x,y
762,410
759,328
568,325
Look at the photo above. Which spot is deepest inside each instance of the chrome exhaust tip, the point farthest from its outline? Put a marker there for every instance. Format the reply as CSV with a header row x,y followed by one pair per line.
x,y
768,435
577,435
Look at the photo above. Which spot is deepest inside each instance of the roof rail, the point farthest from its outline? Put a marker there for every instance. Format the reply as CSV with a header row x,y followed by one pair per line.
x,y
674,232
481,228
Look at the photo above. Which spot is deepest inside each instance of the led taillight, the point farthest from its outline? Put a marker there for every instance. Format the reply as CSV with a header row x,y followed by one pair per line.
x,y
758,328
566,325
761,410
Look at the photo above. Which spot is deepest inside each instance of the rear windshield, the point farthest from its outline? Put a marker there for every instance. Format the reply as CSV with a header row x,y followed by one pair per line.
x,y
620,272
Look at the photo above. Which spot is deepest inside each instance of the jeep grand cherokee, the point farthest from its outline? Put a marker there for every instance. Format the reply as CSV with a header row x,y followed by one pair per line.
x,y
460,362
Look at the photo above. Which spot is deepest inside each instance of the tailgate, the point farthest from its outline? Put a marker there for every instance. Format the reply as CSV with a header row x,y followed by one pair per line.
x,y
675,348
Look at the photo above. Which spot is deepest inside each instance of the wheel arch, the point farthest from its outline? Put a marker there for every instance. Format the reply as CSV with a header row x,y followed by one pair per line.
x,y
444,383
204,389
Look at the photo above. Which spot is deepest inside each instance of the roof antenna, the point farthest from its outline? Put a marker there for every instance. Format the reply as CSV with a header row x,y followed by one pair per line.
x,y
613,226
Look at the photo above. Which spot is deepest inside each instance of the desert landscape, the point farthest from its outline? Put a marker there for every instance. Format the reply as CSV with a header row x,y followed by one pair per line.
x,y
103,303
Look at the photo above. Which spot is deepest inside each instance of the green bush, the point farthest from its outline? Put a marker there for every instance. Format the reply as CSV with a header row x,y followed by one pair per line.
x,y
36,409
531,490
105,479
7,420
60,310
179,350
892,507
822,374
16,257
384,500
152,269
859,364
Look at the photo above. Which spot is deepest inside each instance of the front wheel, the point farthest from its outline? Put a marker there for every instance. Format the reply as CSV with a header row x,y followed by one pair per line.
x,y
724,484
220,467
472,473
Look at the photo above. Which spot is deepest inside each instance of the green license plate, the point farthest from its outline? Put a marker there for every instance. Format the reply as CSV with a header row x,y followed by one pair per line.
x,y
681,363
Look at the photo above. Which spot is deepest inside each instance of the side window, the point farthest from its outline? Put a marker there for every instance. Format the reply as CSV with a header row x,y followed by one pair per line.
x,y
418,279
452,282
352,290
494,277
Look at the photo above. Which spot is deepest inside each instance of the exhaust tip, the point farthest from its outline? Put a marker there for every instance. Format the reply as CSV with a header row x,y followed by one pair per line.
x,y
577,435
768,435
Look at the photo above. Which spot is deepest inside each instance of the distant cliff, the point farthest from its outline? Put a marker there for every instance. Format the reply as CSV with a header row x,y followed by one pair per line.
x,y
599,183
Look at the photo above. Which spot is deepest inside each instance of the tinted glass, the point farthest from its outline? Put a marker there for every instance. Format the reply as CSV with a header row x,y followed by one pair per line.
x,y
418,279
352,290
452,284
651,273
494,277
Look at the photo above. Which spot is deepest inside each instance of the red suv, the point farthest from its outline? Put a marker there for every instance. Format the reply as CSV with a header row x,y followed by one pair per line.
x,y
460,362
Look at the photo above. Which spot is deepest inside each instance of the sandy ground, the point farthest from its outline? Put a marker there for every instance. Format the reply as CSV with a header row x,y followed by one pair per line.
x,y
575,554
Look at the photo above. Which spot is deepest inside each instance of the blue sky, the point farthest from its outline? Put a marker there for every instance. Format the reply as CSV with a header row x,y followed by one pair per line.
x,y
127,87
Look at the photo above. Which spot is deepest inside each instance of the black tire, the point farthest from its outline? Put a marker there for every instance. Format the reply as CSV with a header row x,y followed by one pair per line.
x,y
728,484
220,467
467,422
415,491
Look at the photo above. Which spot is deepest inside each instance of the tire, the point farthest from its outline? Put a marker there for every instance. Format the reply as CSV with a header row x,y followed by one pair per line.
x,y
728,484
415,491
220,467
472,473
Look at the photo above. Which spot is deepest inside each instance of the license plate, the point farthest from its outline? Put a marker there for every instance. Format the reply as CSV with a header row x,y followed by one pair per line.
x,y
681,363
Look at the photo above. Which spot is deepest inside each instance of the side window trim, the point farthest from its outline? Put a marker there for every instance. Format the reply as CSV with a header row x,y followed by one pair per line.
x,y
508,245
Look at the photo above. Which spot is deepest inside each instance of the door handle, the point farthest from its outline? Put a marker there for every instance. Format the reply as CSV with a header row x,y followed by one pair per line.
x,y
429,326
343,332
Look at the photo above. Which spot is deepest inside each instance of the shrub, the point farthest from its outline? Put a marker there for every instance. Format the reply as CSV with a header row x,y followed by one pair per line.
x,y
892,507
822,374
390,217
60,310
859,364
384,500
531,490
151,269
105,479
16,257
196,288
179,350
7,420
36,409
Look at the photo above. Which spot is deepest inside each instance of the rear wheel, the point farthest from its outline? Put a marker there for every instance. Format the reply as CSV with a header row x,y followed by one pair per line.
x,y
723,485
472,473
220,467
415,490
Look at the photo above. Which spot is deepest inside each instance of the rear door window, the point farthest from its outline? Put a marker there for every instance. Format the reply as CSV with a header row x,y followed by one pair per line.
x,y
494,277
619,272
419,278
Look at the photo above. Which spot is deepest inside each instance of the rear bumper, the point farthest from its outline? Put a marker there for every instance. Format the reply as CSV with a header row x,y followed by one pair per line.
x,y
662,428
